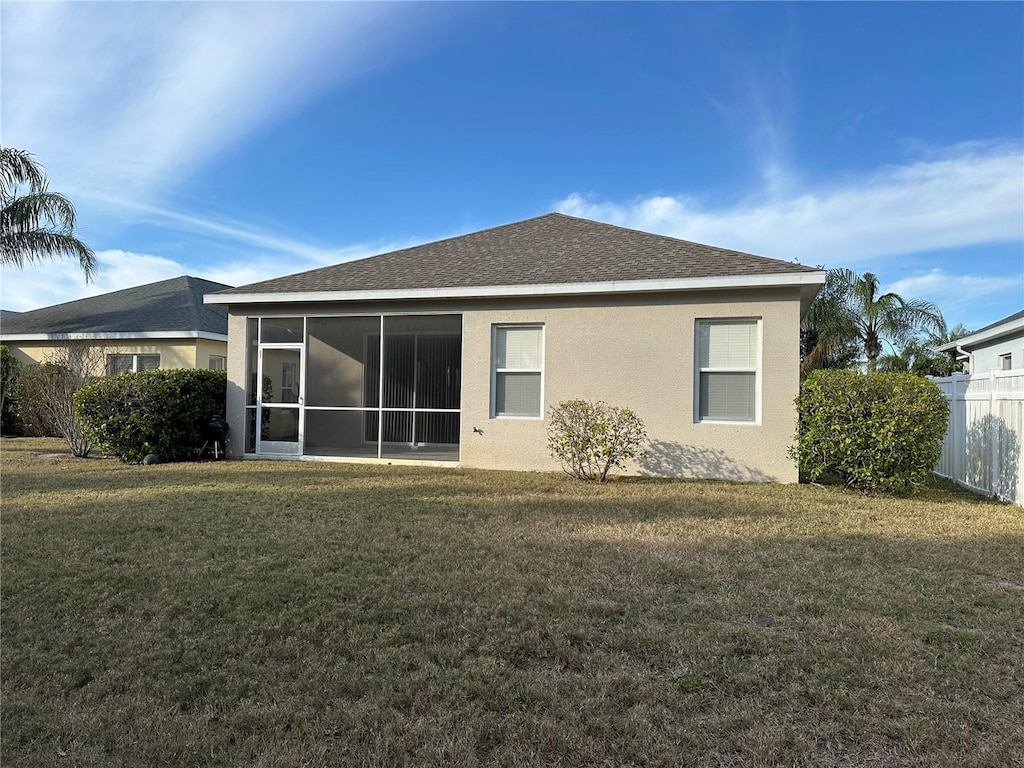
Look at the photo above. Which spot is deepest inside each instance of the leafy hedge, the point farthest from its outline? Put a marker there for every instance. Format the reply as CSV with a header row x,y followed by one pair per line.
x,y
875,432
164,412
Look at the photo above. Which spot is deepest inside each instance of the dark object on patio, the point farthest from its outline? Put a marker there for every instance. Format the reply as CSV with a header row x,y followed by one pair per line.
x,y
151,458
216,437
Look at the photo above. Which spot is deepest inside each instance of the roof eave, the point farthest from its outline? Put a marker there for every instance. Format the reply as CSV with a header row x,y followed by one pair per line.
x,y
812,279
979,338
112,336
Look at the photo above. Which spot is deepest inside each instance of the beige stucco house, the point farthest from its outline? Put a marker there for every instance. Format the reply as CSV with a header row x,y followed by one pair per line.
x,y
157,325
481,334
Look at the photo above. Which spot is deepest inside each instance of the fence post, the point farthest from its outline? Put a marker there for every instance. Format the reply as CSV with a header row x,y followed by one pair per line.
x,y
959,462
993,437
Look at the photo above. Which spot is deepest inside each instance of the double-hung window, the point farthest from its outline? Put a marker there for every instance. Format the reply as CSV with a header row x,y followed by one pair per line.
x,y
218,363
517,363
728,362
131,363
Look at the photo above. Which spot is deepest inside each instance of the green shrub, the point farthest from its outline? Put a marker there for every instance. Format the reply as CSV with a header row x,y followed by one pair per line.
x,y
591,438
10,370
875,432
164,412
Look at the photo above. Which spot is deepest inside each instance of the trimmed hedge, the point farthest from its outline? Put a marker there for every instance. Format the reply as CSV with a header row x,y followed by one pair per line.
x,y
875,432
165,412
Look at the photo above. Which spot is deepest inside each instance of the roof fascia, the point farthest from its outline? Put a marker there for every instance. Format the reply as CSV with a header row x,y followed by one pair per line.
x,y
979,338
816,278
114,336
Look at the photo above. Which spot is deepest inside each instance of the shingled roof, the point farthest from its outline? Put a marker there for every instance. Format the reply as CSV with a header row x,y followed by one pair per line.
x,y
553,249
172,306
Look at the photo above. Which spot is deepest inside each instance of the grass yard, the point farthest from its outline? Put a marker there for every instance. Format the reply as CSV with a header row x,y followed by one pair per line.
x,y
291,614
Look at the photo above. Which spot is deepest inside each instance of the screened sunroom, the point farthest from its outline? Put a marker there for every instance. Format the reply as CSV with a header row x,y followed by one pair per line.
x,y
384,387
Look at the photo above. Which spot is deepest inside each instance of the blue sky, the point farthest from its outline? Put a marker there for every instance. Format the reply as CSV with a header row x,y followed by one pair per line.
x,y
239,142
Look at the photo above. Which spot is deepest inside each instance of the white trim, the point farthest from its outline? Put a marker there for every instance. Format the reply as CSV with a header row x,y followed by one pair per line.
x,y
545,289
977,338
114,336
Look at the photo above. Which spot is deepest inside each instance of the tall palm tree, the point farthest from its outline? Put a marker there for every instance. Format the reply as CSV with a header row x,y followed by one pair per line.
x,y
851,310
35,224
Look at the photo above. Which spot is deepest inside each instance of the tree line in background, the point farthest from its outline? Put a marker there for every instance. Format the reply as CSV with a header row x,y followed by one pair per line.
x,y
851,322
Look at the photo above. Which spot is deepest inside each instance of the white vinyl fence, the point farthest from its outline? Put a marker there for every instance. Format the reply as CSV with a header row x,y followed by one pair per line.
x,y
983,445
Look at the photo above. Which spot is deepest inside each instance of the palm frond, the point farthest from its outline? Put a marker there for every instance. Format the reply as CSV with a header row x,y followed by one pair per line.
x,y
38,210
19,167
20,248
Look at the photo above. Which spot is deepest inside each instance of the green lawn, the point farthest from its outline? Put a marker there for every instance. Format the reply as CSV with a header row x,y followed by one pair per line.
x,y
289,614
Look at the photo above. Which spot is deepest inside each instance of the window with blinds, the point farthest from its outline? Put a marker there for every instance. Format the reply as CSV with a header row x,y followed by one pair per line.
x,y
518,368
727,360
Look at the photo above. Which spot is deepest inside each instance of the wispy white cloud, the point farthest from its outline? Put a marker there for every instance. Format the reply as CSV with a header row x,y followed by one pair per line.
x,y
970,194
225,228
62,281
128,99
124,102
958,294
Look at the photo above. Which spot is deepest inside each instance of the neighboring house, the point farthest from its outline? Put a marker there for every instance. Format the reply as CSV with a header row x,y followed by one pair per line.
x,y
996,347
159,325
481,334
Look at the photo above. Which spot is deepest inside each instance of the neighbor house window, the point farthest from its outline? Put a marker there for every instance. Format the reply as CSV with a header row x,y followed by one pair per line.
x,y
727,370
518,368
1006,362
131,363
218,363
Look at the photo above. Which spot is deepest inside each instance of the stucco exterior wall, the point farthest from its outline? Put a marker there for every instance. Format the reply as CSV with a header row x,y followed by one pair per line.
x,y
205,348
640,356
634,350
173,354
985,357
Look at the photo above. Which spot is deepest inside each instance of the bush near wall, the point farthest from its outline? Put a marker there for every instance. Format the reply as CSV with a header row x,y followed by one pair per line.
x,y
165,412
879,432
10,371
589,438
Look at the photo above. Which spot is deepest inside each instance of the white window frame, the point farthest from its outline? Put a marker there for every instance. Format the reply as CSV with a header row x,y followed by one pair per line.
x,y
218,363
135,360
757,370
1006,361
496,328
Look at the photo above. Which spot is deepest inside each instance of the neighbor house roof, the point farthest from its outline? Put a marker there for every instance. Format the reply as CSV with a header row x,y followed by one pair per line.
x,y
555,254
168,309
1013,323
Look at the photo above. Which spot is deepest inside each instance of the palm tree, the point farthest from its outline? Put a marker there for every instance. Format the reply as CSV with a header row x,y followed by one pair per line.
x,y
918,354
851,311
38,224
